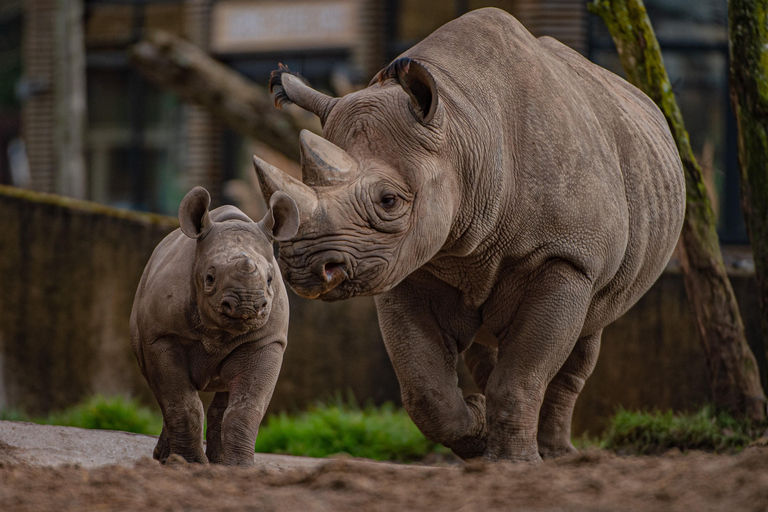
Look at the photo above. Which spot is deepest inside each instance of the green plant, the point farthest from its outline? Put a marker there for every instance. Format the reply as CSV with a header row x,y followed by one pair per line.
x,y
380,433
113,413
657,431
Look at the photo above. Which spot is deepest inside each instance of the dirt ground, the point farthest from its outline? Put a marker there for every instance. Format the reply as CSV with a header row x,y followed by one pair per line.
x,y
591,480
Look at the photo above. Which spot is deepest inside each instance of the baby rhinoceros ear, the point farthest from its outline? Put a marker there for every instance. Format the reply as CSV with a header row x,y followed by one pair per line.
x,y
282,220
194,218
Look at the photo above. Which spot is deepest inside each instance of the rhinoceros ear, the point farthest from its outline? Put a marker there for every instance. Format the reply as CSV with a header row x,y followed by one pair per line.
x,y
282,220
417,82
194,218
291,88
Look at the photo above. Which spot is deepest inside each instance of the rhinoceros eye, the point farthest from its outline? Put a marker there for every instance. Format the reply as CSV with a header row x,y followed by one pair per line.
x,y
269,281
209,280
389,201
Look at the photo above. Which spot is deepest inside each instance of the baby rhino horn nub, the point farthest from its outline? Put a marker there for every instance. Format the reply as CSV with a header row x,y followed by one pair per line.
x,y
323,163
272,179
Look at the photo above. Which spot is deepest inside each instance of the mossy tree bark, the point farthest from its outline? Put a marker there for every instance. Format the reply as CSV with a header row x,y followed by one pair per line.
x,y
182,67
748,36
733,370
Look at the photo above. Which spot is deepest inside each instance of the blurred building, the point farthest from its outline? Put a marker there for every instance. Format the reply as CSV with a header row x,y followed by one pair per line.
x,y
144,148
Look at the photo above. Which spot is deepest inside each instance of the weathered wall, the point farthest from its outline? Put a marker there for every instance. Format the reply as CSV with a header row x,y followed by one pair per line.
x,y
652,357
69,271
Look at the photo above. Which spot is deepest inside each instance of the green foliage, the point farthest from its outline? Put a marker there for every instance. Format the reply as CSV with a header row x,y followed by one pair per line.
x,y
656,432
380,433
114,413
13,415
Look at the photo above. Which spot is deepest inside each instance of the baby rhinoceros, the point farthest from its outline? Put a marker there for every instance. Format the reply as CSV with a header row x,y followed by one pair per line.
x,y
211,314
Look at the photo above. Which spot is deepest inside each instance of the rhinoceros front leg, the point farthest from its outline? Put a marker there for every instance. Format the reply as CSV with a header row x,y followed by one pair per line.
x,y
169,378
557,410
218,405
535,339
251,374
422,325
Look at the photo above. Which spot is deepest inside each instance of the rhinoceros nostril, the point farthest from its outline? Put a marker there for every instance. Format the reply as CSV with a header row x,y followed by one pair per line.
x,y
228,306
331,268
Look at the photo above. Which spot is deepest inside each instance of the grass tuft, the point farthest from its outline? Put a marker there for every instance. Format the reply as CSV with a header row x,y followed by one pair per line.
x,y
379,433
98,412
655,432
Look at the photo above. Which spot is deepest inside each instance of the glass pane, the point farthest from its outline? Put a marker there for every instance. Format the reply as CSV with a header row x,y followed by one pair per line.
x,y
417,19
682,20
165,16
108,24
134,142
508,5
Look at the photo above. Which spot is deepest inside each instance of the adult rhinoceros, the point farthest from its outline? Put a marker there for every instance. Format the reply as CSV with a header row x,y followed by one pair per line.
x,y
485,178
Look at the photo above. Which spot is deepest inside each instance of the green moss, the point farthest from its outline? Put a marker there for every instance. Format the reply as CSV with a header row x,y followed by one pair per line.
x,y
87,206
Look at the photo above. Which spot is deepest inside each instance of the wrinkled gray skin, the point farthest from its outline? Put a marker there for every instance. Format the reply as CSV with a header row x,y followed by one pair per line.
x,y
211,314
485,179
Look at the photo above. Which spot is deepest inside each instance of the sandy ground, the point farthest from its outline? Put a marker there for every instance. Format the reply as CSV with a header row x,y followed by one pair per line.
x,y
58,468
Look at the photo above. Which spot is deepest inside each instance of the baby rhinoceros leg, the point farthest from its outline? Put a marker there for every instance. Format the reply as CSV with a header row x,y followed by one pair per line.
x,y
163,446
214,450
421,323
251,373
557,410
168,376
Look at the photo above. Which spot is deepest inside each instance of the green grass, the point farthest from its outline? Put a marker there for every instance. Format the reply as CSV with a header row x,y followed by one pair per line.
x,y
658,431
379,433
98,412
387,433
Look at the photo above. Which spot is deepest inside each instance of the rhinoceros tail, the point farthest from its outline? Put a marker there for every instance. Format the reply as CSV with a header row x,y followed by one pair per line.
x,y
276,85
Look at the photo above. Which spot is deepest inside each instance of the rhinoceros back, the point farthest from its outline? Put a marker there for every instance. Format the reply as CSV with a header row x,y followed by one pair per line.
x,y
587,162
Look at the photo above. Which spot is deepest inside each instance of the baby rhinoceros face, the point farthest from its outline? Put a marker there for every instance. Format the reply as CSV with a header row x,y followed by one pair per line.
x,y
236,285
235,275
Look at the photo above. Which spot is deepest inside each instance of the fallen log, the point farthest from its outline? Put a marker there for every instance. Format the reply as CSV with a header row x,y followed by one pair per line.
x,y
178,65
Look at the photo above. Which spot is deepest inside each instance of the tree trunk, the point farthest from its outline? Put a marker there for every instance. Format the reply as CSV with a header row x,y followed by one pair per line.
x,y
180,66
748,37
70,99
733,371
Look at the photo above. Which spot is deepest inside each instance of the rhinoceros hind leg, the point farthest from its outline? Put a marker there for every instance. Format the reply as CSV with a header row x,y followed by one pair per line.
x,y
554,433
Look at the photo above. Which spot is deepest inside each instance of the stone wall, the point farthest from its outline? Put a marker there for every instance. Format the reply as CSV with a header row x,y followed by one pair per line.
x,y
69,270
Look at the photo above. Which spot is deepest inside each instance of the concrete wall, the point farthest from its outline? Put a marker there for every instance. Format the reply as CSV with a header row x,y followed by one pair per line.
x,y
69,271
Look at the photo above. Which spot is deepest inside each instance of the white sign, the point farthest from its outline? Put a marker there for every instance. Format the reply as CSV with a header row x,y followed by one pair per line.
x,y
287,25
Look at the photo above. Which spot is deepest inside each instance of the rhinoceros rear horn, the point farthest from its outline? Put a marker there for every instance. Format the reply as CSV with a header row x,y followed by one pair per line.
x,y
194,218
323,162
417,82
272,180
290,88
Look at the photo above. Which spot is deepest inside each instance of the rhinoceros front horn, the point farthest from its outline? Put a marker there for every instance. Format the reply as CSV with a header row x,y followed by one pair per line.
x,y
323,163
272,179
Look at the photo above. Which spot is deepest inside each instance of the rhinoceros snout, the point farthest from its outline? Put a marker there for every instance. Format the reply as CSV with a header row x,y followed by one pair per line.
x,y
327,273
234,308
